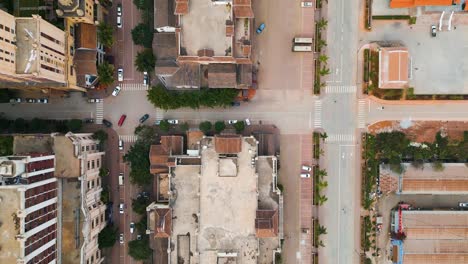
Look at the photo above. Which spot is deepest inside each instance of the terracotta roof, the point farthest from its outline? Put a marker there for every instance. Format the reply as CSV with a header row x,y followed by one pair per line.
x,y
244,76
243,12
166,67
393,67
435,186
193,137
174,144
163,222
205,53
266,223
414,3
85,36
228,144
181,7
435,258
164,13
187,76
160,155
222,75
84,62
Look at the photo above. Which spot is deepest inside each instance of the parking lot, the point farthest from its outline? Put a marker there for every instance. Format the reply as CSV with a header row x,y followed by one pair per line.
x,y
438,64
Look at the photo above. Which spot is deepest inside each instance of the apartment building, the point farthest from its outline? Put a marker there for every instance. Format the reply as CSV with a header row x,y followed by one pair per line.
x,y
78,11
78,163
32,53
28,206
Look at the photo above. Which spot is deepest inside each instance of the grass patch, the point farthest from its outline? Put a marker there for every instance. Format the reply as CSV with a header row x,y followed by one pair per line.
x,y
367,15
391,17
365,76
366,228
316,141
369,170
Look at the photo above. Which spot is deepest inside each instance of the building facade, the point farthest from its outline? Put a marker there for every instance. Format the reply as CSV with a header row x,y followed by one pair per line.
x,y
28,206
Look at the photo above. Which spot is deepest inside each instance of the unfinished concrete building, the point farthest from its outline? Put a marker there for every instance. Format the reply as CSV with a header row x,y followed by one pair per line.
x,y
224,205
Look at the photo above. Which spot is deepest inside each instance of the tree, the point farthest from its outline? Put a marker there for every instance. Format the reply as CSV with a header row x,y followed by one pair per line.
x,y
324,71
74,125
142,35
219,126
139,249
438,165
139,163
322,23
324,135
321,173
239,126
103,172
145,61
20,125
107,237
105,34
321,43
139,204
164,125
105,195
147,134
100,135
6,145
205,126
323,58
322,199
105,72
142,225
321,230
321,244
184,127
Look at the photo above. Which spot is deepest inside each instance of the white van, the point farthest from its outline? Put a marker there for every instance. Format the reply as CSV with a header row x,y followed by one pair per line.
x,y
121,179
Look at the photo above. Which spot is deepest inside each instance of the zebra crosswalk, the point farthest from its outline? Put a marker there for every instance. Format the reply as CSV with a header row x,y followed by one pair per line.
x,y
362,113
128,138
341,89
318,114
134,87
99,112
340,138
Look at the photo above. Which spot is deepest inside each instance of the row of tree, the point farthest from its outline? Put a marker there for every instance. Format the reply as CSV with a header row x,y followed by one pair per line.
x,y
38,125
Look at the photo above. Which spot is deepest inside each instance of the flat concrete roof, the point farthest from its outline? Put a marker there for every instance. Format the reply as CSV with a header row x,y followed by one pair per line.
x,y
204,27
10,204
66,164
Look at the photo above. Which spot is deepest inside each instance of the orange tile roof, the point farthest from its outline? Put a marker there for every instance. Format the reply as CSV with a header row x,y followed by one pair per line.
x,y
228,144
393,67
243,12
181,7
414,3
435,258
266,223
163,222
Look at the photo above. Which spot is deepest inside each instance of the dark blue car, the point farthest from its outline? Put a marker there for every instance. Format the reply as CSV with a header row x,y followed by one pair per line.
x,y
260,28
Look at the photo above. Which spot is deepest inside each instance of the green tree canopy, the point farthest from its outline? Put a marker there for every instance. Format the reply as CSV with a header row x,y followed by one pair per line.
x,y
184,127
219,126
139,163
105,72
100,135
139,204
142,35
141,226
164,125
74,125
105,34
107,237
145,61
239,126
105,195
6,145
139,249
205,126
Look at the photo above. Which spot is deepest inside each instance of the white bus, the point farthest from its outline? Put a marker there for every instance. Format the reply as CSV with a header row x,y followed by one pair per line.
x,y
303,40
302,48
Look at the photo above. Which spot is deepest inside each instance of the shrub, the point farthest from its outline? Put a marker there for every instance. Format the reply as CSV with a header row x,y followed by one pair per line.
x,y
219,126
164,125
205,126
239,126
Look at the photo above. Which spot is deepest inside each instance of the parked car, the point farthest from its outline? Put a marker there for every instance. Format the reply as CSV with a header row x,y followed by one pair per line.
x,y
107,123
247,122
173,121
158,122
120,74
232,122
465,205
235,103
433,31
89,120
307,4
305,175
121,208
260,28
144,118
132,227
122,120
94,100
138,237
306,168
116,91
121,144
16,100
119,21
121,238
145,78
119,9
30,100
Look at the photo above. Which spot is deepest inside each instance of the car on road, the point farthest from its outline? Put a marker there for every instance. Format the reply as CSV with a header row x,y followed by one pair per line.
x,y
247,122
122,120
132,227
94,100
89,120
260,28
121,179
107,123
173,121
121,144
116,90
16,100
30,100
42,101
119,9
121,208
306,4
144,118
232,122
306,168
138,237
145,78
464,205
305,175
120,74
235,103
433,31
119,21
121,238
158,122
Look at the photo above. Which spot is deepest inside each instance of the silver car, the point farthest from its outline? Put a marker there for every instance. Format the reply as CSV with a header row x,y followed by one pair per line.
x,y
120,74
116,91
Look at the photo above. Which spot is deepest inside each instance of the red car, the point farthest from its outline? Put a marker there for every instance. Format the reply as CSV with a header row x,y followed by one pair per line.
x,y
122,120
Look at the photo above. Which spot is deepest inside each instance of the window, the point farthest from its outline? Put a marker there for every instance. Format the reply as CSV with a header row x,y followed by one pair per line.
x,y
98,161
71,70
92,164
88,164
87,148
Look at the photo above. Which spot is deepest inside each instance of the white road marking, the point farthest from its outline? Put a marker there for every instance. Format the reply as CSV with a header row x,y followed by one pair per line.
x,y
134,87
318,114
340,138
128,138
99,112
341,89
362,113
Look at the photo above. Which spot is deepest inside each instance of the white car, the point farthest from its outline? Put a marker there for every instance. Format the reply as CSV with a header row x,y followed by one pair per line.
x,y
232,122
158,122
305,175
94,100
121,144
145,78
121,238
306,4
119,21
42,101
306,168
121,208
247,122
120,74
116,91
132,227
119,9
463,204
173,121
